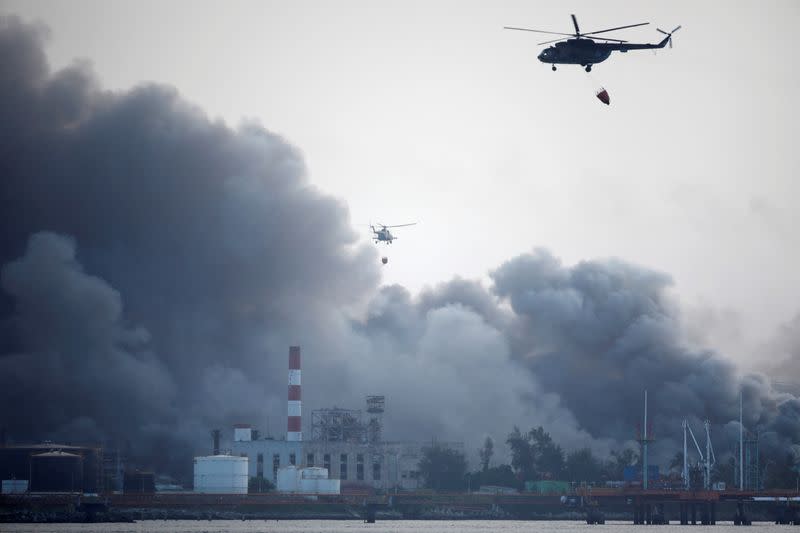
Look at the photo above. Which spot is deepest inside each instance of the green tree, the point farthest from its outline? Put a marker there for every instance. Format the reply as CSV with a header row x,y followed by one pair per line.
x,y
486,453
615,466
783,473
443,468
725,471
676,464
522,460
696,477
534,455
502,476
581,465
549,457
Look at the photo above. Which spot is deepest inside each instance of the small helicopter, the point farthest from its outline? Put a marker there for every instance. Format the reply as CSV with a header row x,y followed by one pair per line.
x,y
579,49
383,234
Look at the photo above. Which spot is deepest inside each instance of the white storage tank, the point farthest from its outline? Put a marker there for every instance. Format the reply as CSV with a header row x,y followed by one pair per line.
x,y
288,479
314,472
221,474
15,486
311,480
320,486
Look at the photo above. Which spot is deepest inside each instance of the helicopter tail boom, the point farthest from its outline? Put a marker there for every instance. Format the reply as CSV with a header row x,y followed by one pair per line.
x,y
624,47
668,38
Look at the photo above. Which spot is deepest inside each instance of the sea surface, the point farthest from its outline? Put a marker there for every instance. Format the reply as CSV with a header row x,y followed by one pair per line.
x,y
382,526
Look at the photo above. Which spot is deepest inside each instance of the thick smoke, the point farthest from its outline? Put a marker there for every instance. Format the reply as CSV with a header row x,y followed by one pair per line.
x,y
81,362
445,361
601,332
786,349
158,264
209,241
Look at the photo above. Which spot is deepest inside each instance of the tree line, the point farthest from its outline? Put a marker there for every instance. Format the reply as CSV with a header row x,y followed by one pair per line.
x,y
536,456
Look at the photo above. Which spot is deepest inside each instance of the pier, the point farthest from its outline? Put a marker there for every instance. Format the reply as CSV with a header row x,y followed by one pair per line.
x,y
643,507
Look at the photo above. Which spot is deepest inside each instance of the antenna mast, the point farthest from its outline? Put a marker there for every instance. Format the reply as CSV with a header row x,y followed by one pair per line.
x,y
685,455
741,443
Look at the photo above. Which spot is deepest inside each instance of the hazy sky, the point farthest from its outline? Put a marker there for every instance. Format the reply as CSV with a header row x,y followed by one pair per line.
x,y
430,112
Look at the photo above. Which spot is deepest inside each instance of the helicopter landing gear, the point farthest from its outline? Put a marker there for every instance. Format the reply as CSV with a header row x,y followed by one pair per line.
x,y
554,68
588,68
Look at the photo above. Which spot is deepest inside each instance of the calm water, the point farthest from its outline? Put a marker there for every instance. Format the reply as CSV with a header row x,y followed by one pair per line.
x,y
387,526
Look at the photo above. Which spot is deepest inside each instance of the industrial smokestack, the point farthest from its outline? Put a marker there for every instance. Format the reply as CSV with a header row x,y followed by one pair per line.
x,y
215,433
294,421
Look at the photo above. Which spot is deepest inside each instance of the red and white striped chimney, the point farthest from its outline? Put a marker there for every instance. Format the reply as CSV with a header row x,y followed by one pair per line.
x,y
294,430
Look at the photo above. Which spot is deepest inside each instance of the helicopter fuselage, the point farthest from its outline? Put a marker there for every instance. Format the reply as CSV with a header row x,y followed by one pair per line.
x,y
383,235
575,52
588,52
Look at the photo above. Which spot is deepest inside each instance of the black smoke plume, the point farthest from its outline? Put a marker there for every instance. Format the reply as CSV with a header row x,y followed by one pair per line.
x,y
157,264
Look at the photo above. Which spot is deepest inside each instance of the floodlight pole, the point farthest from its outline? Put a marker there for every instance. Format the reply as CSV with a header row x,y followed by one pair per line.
x,y
685,455
741,444
644,445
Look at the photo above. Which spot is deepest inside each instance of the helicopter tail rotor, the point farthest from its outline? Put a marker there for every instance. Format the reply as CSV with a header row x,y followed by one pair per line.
x,y
668,34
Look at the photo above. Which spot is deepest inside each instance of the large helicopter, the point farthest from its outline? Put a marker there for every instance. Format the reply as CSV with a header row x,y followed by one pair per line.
x,y
383,234
580,49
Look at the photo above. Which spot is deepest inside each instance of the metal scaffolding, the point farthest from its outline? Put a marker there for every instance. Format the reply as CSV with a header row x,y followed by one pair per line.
x,y
337,425
752,469
644,440
375,408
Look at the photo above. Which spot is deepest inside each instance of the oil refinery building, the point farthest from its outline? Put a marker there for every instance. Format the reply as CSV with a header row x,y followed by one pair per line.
x,y
346,442
380,465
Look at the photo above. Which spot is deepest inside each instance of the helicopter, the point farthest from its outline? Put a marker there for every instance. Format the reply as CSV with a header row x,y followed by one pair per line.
x,y
580,49
383,234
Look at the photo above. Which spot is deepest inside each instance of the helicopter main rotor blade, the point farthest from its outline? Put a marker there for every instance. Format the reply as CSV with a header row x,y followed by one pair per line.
x,y
607,39
617,28
575,23
553,41
400,225
598,38
537,31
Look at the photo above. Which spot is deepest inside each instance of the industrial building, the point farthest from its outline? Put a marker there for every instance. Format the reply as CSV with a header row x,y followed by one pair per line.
x,y
51,467
138,482
344,442
310,480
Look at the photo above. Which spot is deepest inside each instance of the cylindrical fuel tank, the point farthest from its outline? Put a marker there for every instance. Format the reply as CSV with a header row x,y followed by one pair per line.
x,y
56,471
